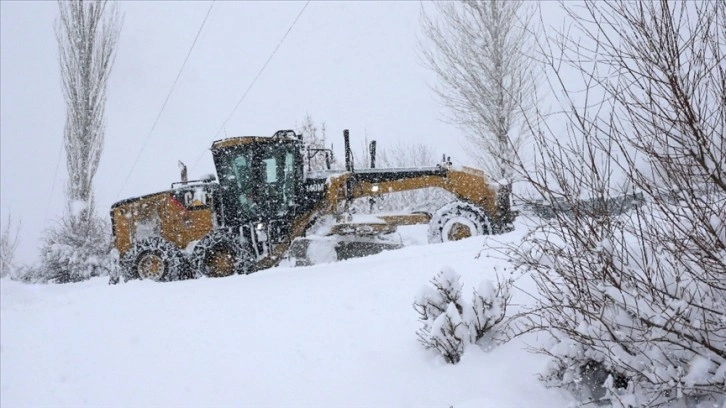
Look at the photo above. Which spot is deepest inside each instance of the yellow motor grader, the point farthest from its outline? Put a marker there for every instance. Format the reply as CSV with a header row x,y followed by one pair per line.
x,y
257,211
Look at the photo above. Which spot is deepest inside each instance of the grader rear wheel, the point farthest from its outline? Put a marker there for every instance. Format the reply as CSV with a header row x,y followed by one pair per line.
x,y
456,221
220,254
153,259
150,266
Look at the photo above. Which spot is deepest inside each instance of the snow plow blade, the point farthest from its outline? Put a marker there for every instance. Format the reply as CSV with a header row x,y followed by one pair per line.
x,y
325,249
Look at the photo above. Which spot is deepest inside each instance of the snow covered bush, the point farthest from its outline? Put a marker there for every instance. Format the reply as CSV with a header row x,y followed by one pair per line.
x,y
488,308
8,243
635,300
27,274
73,251
637,297
632,298
439,309
449,323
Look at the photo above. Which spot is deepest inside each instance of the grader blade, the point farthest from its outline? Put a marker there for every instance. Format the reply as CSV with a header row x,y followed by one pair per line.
x,y
315,250
360,248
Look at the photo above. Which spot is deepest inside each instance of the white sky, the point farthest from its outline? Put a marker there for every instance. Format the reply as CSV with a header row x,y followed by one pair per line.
x,y
351,64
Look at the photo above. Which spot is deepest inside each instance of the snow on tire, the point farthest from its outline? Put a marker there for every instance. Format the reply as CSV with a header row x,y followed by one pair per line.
x,y
153,258
458,220
221,254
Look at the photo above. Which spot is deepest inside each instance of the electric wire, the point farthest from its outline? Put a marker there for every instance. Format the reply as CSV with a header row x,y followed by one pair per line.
x,y
156,121
254,80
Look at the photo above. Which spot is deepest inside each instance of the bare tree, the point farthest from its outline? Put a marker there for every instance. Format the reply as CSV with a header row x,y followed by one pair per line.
x,y
78,246
636,301
315,137
8,244
87,33
480,52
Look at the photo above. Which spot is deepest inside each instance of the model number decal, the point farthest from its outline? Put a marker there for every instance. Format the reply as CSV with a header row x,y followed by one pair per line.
x,y
318,187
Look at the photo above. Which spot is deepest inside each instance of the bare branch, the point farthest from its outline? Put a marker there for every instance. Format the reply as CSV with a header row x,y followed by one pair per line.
x,y
481,53
87,33
642,294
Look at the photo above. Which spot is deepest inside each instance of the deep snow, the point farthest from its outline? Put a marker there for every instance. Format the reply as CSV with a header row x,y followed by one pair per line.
x,y
331,335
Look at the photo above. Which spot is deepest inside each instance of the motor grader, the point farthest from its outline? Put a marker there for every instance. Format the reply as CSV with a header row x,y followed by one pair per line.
x,y
261,205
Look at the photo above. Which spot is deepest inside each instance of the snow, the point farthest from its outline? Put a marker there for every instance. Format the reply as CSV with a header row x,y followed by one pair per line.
x,y
698,371
321,251
365,219
330,335
76,207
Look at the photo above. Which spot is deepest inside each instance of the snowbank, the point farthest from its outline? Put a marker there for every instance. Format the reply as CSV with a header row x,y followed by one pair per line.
x,y
339,334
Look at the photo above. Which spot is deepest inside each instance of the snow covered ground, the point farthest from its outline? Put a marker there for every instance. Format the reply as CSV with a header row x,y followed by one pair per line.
x,y
332,335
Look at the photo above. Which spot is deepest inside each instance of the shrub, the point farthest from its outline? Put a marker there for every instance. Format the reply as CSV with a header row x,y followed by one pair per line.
x,y
73,251
638,296
8,243
449,323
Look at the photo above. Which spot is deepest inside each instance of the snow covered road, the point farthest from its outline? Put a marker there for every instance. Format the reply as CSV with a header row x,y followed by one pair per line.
x,y
331,335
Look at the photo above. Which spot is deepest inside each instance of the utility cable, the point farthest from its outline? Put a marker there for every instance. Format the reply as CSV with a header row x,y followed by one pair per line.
x,y
254,80
156,121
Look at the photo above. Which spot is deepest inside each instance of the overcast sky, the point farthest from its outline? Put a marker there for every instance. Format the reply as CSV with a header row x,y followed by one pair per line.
x,y
351,64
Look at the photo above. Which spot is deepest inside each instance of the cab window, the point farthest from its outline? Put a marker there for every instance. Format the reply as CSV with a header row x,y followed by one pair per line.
x,y
270,170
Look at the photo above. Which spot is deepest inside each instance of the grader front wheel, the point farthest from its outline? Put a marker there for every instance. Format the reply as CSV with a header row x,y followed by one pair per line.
x,y
458,231
456,221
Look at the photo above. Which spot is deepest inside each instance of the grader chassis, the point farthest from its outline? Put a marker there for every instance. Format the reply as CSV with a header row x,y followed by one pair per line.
x,y
264,202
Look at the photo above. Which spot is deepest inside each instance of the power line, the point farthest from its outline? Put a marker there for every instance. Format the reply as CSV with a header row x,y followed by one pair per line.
x,y
178,75
254,80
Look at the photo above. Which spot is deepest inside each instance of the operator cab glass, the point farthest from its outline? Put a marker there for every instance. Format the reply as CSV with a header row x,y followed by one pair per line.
x,y
239,184
258,180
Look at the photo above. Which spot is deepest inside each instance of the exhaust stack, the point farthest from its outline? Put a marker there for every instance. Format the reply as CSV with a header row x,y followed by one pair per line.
x,y
183,170
348,152
372,149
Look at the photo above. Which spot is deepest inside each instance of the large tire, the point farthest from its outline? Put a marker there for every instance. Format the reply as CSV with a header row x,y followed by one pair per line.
x,y
155,259
221,254
458,220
